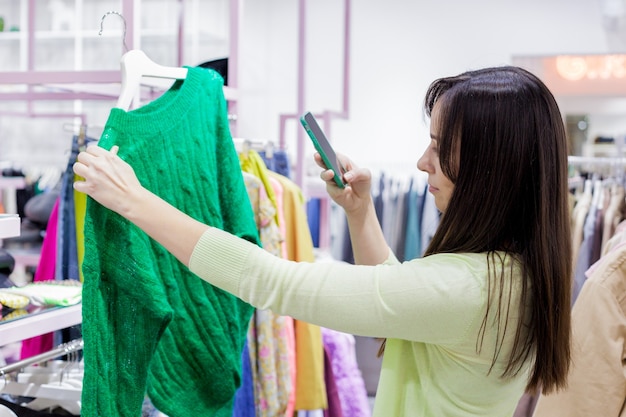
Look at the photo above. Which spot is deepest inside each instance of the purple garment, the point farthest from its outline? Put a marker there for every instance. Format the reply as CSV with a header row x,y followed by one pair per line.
x,y
347,375
334,403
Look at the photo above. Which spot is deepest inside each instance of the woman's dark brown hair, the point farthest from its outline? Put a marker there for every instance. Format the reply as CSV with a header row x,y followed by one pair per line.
x,y
503,145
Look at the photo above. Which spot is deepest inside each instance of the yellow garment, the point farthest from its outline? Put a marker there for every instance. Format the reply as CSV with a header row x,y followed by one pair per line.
x,y
251,162
80,205
14,314
59,293
13,300
310,385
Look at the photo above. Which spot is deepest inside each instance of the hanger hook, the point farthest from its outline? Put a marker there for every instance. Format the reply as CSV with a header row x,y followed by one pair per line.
x,y
123,20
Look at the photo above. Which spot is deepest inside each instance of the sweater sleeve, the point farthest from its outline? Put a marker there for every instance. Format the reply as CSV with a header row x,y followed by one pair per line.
x,y
434,299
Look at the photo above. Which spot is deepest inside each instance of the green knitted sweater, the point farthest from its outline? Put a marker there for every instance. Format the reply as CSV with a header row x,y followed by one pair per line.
x,y
149,324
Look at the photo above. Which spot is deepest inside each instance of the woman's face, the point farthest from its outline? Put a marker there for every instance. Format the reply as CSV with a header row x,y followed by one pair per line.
x,y
438,184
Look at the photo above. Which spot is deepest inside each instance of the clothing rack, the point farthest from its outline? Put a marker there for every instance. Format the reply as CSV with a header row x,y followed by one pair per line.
x,y
596,160
605,166
63,349
244,145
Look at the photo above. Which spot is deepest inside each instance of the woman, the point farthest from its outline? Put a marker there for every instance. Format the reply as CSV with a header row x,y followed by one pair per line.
x,y
483,316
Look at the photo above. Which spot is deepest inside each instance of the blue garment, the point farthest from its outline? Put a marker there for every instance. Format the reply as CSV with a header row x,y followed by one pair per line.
x,y
313,218
67,251
412,243
244,397
67,222
279,162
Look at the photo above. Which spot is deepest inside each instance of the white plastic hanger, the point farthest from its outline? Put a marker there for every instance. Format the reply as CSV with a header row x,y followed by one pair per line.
x,y
135,64
6,412
59,384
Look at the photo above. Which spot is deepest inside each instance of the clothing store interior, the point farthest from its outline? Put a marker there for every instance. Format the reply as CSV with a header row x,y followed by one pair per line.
x,y
361,68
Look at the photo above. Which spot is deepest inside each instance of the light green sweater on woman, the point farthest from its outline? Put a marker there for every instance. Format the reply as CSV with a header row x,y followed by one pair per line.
x,y
430,309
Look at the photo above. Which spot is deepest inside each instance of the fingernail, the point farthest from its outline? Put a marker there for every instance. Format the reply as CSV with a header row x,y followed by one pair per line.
x,y
348,176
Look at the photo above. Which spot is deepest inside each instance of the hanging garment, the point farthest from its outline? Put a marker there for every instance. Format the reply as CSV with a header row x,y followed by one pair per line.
x,y
347,374
596,382
67,250
45,271
579,214
252,163
267,336
310,385
244,405
613,214
585,253
332,392
277,161
148,322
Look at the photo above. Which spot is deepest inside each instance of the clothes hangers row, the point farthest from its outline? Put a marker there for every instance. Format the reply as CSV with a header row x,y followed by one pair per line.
x,y
57,384
60,350
243,145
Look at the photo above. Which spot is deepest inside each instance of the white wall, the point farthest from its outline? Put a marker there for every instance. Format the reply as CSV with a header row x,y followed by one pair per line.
x,y
398,48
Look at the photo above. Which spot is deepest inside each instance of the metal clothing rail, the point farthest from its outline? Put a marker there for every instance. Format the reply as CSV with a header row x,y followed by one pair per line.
x,y
596,160
63,349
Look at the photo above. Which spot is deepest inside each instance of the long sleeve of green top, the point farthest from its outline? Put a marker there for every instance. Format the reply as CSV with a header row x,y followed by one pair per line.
x,y
149,325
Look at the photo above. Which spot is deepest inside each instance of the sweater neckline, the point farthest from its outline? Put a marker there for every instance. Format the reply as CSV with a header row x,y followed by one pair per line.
x,y
164,113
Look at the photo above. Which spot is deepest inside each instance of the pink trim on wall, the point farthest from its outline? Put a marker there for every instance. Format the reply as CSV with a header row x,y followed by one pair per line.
x,y
325,116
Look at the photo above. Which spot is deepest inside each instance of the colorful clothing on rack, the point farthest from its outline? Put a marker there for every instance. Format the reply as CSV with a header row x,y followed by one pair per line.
x,y
267,336
310,385
251,162
148,322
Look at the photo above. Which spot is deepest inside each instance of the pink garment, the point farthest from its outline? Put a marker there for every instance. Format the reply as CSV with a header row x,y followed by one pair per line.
x,y
291,351
45,271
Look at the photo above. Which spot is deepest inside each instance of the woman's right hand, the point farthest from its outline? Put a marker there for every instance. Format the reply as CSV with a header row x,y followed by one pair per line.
x,y
107,179
356,195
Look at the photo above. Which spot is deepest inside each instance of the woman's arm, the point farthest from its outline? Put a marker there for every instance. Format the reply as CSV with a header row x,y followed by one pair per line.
x,y
112,182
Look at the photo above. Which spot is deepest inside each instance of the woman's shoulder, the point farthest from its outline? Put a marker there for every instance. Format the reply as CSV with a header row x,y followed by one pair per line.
x,y
464,265
470,259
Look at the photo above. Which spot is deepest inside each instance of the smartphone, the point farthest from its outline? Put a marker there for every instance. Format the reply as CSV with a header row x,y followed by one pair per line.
x,y
323,147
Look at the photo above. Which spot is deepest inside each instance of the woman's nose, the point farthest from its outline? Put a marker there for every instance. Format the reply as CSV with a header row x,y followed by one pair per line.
x,y
422,163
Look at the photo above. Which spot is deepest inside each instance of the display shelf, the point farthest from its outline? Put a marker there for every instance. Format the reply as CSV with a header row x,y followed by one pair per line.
x,y
40,323
8,36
